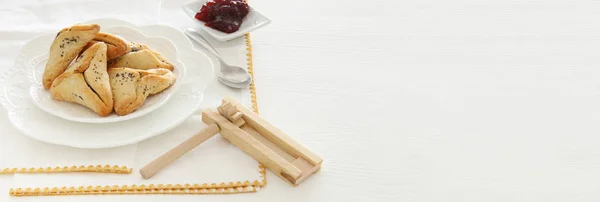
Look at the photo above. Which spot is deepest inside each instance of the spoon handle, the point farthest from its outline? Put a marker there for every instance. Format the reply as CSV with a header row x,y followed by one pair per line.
x,y
201,40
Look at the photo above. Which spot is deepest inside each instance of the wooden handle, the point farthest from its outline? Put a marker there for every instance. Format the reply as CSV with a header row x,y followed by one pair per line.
x,y
159,163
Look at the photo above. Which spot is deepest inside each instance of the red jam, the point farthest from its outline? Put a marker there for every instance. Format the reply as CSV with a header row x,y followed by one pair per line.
x,y
223,15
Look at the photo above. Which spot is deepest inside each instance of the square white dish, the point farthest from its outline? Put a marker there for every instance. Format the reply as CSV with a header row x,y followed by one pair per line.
x,y
251,22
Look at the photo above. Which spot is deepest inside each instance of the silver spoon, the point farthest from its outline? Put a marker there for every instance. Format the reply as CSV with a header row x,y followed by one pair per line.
x,y
232,76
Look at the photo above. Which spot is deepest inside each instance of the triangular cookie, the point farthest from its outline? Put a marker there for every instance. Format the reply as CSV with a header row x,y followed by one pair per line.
x,y
96,76
131,87
67,44
83,60
141,57
72,86
157,80
117,46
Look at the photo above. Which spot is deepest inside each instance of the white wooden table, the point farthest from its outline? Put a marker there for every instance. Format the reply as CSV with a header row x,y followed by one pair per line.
x,y
422,100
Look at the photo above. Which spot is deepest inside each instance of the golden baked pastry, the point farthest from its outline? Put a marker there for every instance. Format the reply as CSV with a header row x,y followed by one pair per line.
x,y
141,57
86,82
131,87
67,44
117,46
96,76
103,71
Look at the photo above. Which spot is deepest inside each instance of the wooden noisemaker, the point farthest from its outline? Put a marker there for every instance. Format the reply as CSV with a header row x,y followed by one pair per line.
x,y
242,127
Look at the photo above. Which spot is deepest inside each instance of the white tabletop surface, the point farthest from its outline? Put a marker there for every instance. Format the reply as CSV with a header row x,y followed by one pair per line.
x,y
430,100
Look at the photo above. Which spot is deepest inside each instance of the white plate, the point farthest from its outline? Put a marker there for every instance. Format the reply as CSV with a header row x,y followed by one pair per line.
x,y
37,124
251,22
36,56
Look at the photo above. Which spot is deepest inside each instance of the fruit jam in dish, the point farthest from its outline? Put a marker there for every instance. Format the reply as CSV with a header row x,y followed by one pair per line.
x,y
223,15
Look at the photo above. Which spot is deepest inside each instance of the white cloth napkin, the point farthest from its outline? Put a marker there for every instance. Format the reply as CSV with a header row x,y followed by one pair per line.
x,y
215,161
22,20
